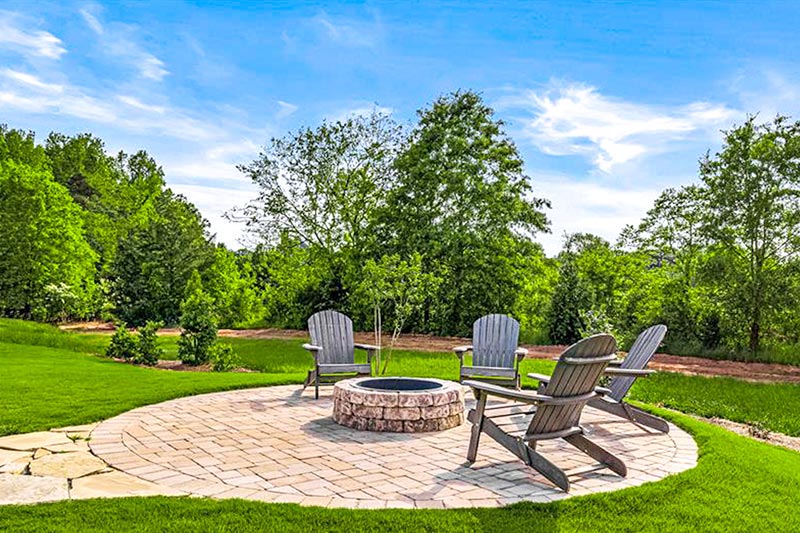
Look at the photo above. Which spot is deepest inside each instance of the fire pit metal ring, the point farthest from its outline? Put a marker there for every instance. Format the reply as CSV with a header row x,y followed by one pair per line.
x,y
396,404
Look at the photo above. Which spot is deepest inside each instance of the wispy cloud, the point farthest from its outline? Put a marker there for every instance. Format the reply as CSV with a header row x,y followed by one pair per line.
x,y
33,43
351,32
286,109
30,80
576,119
119,40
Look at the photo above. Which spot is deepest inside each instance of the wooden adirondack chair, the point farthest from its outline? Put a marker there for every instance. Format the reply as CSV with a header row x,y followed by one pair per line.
x,y
623,375
555,411
334,350
495,354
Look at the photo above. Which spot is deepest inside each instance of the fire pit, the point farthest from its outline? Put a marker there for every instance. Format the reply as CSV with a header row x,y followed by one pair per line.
x,y
400,405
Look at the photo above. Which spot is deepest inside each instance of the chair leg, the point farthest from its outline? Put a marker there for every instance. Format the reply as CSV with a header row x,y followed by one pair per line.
x,y
596,452
477,427
316,383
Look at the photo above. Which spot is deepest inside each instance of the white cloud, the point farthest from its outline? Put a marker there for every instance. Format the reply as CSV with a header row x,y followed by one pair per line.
x,y
213,203
32,81
351,33
286,109
138,104
576,119
119,41
35,43
590,208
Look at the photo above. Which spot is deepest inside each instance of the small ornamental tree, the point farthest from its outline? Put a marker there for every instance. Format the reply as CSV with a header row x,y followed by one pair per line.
x,y
124,344
400,284
149,350
198,325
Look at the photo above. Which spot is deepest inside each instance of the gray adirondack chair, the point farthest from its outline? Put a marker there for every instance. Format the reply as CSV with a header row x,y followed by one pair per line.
x,y
495,354
556,411
623,374
333,349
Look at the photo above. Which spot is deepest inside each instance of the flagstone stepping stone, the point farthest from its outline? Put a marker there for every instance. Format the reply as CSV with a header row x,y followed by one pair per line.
x,y
10,456
115,484
67,465
30,489
34,441
41,452
18,466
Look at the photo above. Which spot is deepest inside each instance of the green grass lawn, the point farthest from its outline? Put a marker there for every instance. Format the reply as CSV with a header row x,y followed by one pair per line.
x,y
91,388
738,485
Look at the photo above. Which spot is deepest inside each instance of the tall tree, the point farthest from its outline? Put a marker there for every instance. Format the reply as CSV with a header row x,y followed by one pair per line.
x,y
47,266
751,195
464,202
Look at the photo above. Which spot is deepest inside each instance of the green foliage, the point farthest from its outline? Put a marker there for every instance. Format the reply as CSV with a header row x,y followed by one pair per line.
x,y
402,286
198,324
222,357
124,344
231,284
47,265
570,302
149,351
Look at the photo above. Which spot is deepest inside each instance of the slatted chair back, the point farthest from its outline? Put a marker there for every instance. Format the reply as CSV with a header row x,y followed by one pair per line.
x,y
494,341
333,331
639,355
577,372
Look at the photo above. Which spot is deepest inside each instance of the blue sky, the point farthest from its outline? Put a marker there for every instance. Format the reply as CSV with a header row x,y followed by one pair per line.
x,y
609,102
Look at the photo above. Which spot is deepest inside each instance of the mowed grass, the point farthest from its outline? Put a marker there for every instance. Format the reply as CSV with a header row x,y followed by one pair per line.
x,y
738,485
46,387
91,388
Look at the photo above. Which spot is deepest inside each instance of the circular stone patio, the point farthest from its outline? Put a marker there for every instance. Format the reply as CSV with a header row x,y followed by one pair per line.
x,y
278,444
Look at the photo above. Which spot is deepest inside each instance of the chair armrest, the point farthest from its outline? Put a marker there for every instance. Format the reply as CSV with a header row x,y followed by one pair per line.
x,y
632,372
616,362
313,349
539,377
368,347
524,396
461,350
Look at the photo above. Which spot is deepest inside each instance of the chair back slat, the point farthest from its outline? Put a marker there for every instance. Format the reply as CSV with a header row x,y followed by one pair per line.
x,y
638,357
494,341
577,372
333,331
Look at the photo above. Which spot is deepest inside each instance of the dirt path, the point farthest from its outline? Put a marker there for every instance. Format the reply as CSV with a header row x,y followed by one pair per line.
x,y
764,372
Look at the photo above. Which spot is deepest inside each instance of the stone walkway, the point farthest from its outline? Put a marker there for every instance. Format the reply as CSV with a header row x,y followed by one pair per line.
x,y
277,444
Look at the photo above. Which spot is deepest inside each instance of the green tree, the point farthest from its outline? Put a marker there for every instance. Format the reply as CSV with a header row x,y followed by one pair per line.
x,y
571,300
149,350
751,208
198,325
464,202
230,282
47,265
155,262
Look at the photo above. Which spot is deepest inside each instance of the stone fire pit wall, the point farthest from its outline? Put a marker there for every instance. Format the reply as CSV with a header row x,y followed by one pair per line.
x,y
398,411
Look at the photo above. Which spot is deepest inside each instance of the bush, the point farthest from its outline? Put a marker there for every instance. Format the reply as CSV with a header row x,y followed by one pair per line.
x,y
149,350
222,357
198,326
124,345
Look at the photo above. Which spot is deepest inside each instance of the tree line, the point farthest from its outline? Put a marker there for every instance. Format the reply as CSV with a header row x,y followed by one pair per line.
x,y
434,223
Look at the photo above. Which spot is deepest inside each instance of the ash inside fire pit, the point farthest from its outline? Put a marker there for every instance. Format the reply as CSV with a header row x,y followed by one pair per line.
x,y
401,405
399,384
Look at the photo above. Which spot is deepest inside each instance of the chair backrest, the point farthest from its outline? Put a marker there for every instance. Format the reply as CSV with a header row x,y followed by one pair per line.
x,y
494,341
333,331
639,355
577,372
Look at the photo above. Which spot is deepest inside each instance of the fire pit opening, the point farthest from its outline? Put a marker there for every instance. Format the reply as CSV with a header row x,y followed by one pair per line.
x,y
400,405
399,384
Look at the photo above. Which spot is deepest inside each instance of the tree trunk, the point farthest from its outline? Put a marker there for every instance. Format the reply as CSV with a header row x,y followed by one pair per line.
x,y
755,334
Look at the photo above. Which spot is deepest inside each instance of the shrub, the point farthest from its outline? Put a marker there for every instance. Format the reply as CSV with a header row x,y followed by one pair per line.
x,y
198,326
222,357
124,345
149,350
